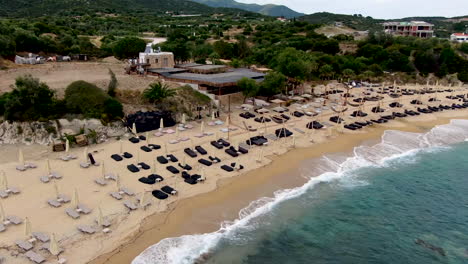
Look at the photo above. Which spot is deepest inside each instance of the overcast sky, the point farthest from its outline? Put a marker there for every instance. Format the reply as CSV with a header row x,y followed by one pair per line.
x,y
376,8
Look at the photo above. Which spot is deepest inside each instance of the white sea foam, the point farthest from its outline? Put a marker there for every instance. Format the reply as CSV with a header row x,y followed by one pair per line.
x,y
394,145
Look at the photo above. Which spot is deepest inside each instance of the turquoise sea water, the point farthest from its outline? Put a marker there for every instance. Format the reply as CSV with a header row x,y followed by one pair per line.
x,y
404,200
375,216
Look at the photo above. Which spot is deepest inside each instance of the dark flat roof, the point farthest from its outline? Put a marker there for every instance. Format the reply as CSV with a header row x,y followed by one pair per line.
x,y
231,76
165,71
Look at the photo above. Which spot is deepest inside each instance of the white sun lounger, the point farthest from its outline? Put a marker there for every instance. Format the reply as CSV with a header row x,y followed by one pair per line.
x,y
105,223
25,245
54,203
101,181
14,219
72,213
63,198
127,191
41,236
2,228
13,190
3,194
34,257
116,195
299,130
45,179
110,176
30,166
173,141
84,209
130,205
84,165
21,168
55,175
86,229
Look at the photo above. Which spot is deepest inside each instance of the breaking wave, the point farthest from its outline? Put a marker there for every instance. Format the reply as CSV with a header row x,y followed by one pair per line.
x,y
394,145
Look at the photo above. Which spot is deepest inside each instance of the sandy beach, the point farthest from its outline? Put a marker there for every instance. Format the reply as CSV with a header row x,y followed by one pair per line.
x,y
196,209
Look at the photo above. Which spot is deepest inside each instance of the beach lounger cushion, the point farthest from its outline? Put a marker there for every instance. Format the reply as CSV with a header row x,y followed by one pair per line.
x,y
227,168
190,152
146,180
133,168
162,160
169,190
127,155
144,166
134,140
172,158
205,162
159,194
231,152
191,181
172,169
116,157
156,177
201,150
216,144
154,146
145,149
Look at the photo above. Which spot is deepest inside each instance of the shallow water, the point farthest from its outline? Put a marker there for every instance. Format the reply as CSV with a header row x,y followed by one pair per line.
x,y
369,208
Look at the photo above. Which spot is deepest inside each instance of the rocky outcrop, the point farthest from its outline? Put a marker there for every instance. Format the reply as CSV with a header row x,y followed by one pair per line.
x,y
45,133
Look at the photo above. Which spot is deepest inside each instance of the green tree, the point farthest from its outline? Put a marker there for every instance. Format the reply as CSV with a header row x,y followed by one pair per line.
x,y
464,47
274,83
157,92
29,100
249,87
348,73
291,63
112,84
326,72
128,47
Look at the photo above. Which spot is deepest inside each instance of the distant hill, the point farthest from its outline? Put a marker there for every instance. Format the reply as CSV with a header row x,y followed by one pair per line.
x,y
34,8
269,10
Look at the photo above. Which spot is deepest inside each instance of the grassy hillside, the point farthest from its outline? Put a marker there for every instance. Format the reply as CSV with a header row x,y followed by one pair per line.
x,y
269,10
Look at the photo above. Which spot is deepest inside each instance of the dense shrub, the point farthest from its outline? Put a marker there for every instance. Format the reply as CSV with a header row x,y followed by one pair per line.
x,y
86,98
29,100
128,47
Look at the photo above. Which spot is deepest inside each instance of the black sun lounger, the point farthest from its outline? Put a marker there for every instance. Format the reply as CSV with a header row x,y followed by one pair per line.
x,y
214,159
227,168
205,162
243,150
185,167
168,190
91,158
172,158
155,177
201,150
144,166
162,160
146,180
172,169
142,137
216,144
145,149
224,142
190,152
231,152
133,168
154,146
134,140
185,175
116,157
191,181
159,194
127,155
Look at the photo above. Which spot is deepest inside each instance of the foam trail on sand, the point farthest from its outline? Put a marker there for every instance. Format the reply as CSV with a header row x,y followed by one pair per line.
x,y
394,145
